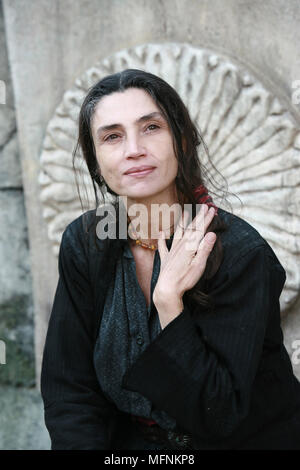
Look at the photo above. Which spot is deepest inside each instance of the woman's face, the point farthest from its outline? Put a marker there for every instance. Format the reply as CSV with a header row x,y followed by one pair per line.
x,y
130,131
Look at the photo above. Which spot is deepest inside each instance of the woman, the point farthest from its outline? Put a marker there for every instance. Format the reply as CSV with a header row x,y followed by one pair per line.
x,y
169,338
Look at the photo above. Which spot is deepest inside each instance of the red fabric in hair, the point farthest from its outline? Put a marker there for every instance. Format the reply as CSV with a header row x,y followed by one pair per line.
x,y
203,197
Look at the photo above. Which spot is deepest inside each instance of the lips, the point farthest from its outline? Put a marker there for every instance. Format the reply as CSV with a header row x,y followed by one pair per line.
x,y
139,170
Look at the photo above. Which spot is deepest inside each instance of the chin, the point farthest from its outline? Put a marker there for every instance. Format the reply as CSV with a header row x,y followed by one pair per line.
x,y
141,195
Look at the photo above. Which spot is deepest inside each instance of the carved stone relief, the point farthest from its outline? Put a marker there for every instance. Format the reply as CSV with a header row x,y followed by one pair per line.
x,y
252,138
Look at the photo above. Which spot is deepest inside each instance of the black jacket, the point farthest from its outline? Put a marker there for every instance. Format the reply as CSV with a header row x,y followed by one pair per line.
x,y
225,376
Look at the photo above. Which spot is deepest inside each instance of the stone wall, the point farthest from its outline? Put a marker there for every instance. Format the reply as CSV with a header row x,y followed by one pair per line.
x,y
51,44
16,310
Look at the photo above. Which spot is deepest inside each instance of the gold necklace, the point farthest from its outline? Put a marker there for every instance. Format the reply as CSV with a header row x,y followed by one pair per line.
x,y
139,242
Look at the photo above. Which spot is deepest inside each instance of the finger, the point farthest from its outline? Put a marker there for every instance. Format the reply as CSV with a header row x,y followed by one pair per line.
x,y
162,247
209,216
198,222
196,230
202,222
207,219
204,218
181,227
205,248
200,216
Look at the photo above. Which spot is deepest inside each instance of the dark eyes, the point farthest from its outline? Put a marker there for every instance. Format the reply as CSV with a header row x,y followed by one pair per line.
x,y
152,127
113,137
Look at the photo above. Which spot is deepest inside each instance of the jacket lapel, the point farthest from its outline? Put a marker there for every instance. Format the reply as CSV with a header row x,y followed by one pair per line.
x,y
102,269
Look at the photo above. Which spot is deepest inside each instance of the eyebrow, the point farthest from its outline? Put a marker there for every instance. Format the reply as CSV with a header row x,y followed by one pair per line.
x,y
146,117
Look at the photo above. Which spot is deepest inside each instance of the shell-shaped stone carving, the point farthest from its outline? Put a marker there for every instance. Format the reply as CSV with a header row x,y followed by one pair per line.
x,y
252,139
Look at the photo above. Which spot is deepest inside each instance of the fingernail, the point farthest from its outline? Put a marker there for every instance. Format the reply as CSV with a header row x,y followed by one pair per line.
x,y
211,237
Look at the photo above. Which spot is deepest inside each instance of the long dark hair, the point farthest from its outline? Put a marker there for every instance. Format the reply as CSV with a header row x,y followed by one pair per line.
x,y
186,139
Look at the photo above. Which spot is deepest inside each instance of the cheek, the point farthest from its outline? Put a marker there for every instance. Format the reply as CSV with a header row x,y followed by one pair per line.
x,y
173,165
163,147
108,168
103,162
172,160
100,169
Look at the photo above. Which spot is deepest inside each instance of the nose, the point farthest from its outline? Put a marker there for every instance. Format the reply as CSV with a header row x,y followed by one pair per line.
x,y
133,146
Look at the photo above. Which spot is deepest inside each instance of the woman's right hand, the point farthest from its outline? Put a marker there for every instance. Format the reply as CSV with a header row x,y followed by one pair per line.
x,y
184,264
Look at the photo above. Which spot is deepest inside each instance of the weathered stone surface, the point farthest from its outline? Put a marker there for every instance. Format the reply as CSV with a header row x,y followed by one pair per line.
x,y
15,275
11,173
17,331
7,124
16,311
22,420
